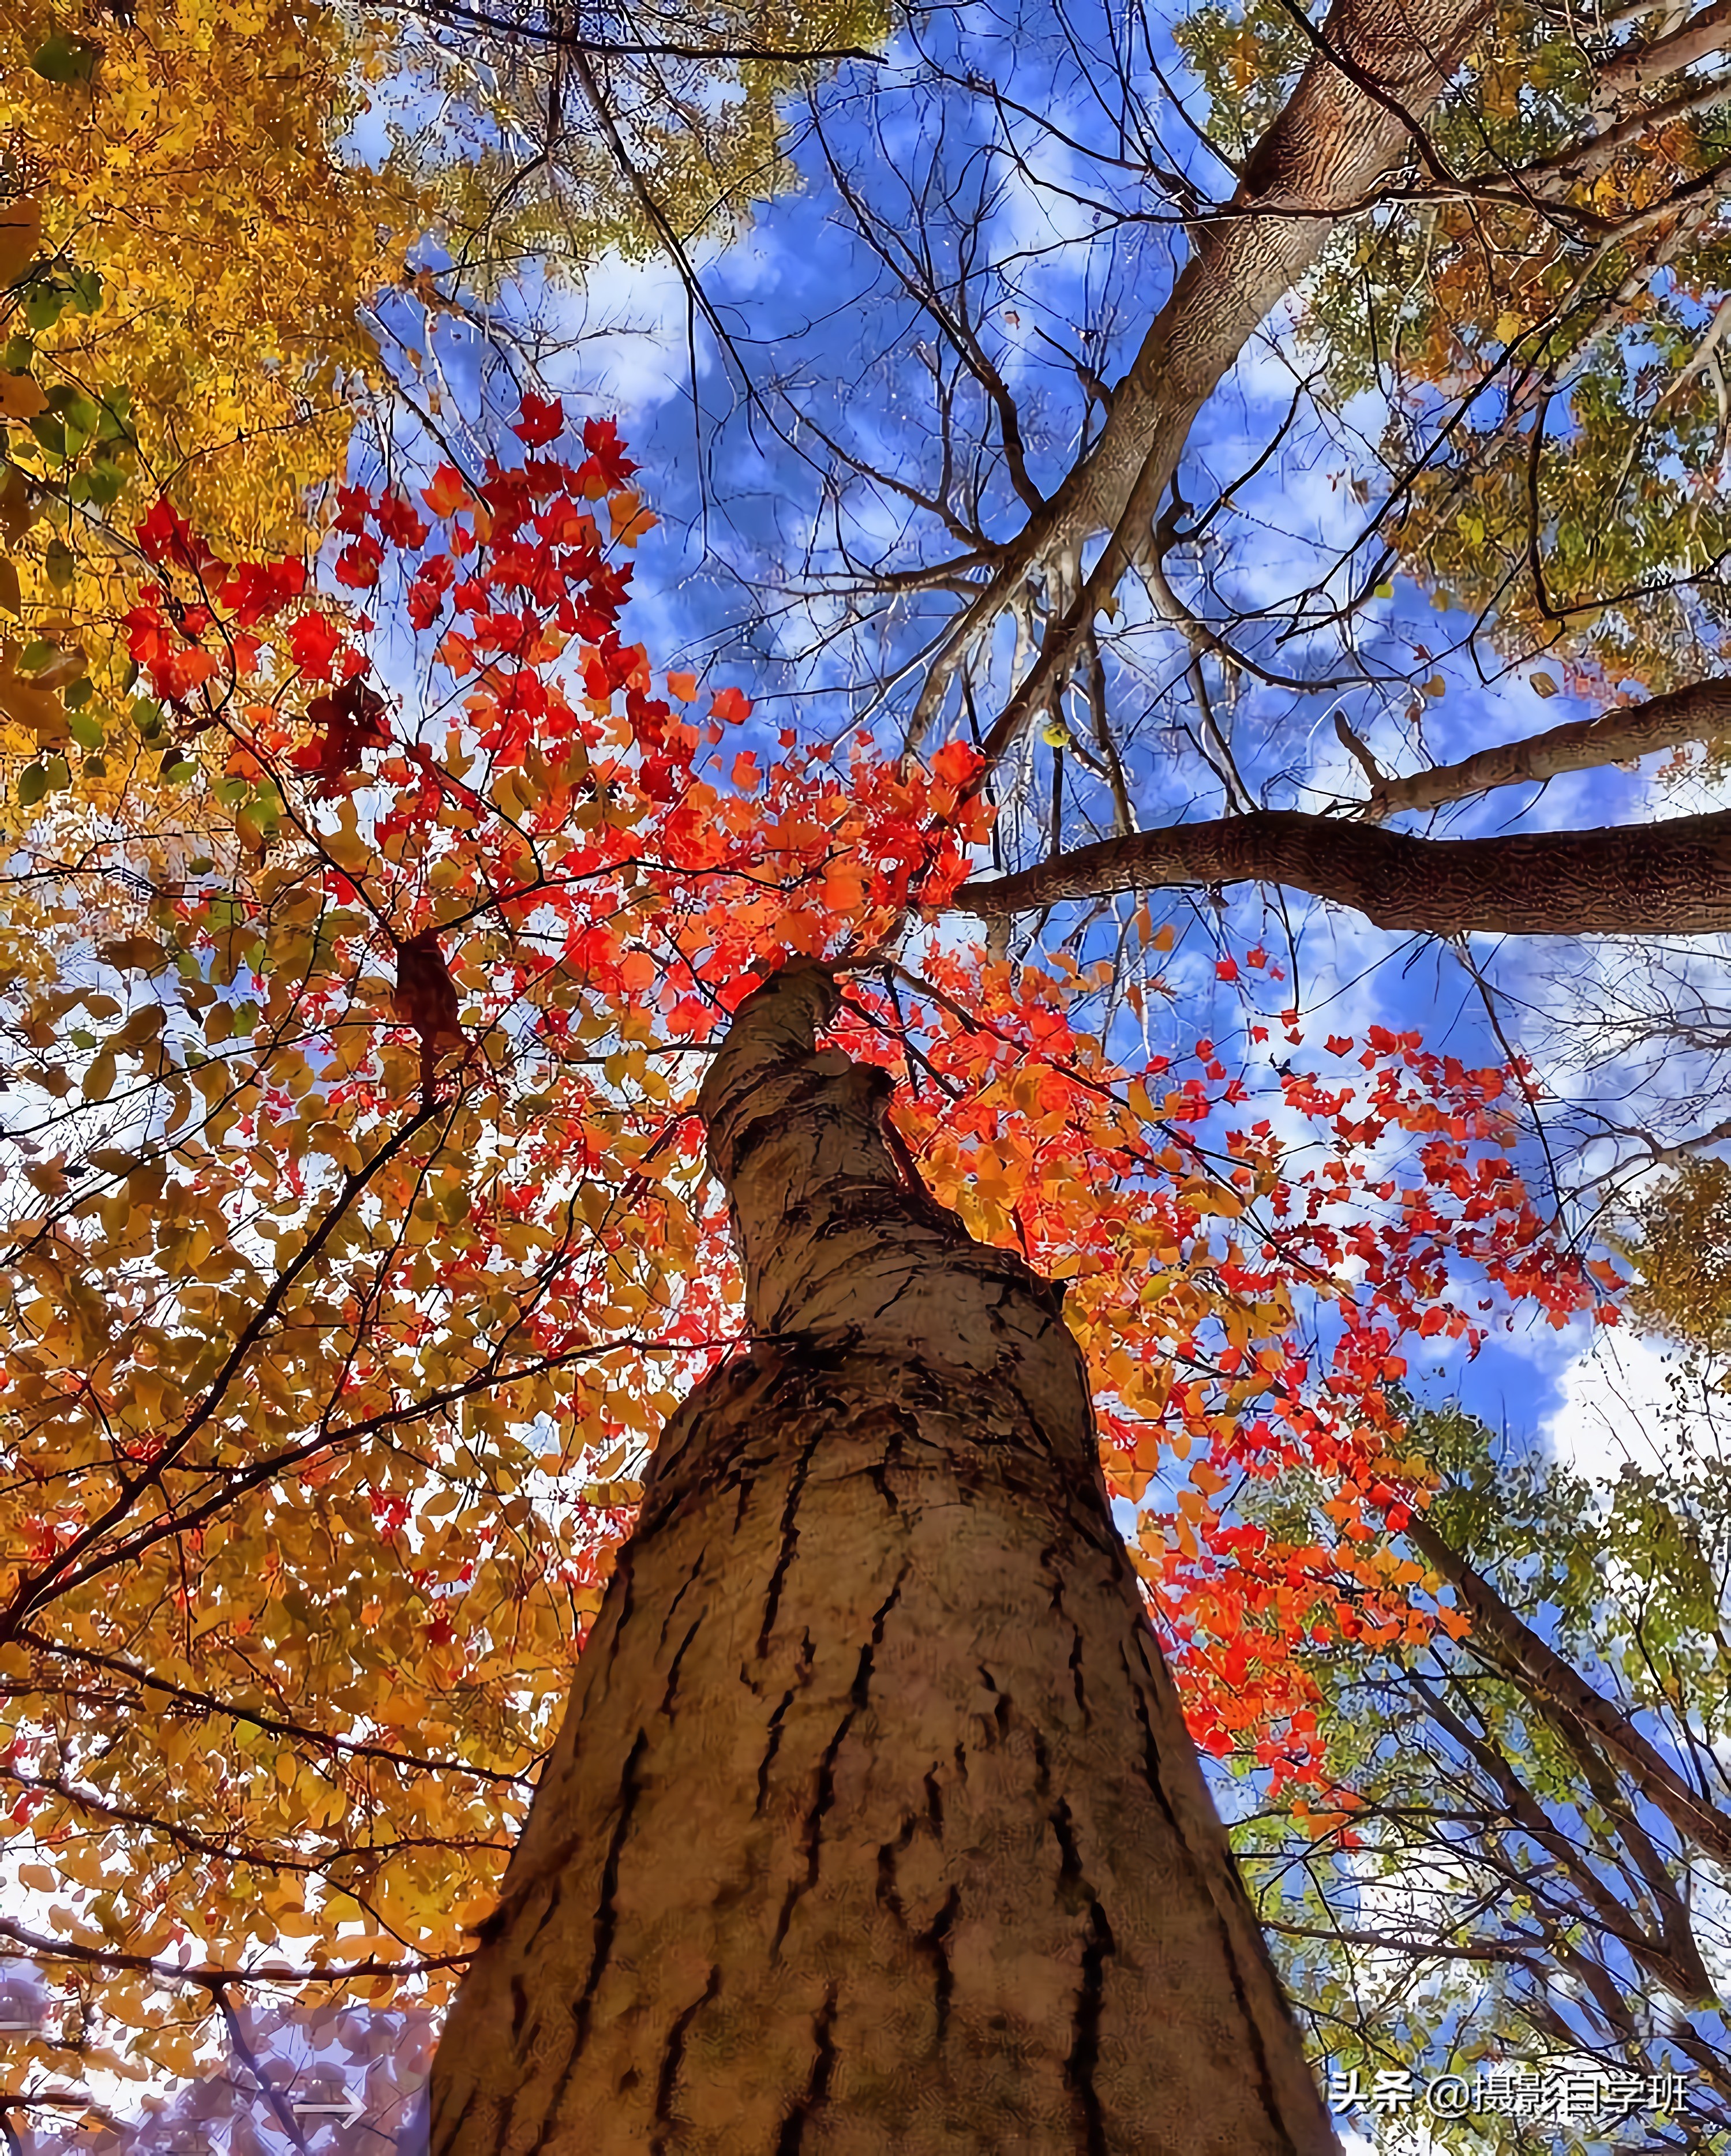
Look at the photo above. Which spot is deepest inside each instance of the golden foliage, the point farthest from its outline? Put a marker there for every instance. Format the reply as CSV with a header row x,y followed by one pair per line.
x,y
1684,1257
180,169
198,170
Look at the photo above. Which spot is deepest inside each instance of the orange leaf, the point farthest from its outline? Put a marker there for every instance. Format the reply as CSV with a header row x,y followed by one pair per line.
x,y
20,238
628,517
21,397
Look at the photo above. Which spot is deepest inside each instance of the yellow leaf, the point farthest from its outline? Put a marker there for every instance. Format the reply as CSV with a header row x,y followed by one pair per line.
x,y
98,1079
25,700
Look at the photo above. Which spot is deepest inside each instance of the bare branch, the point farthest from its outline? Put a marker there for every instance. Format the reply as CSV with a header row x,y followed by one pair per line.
x,y
1645,64
1354,117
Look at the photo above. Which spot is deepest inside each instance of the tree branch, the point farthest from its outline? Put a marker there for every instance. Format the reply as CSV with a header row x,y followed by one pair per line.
x,y
1671,878
1637,67
1562,1694
1698,713
1353,118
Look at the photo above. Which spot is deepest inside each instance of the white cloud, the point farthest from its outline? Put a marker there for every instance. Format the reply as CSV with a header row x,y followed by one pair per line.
x,y
1617,1405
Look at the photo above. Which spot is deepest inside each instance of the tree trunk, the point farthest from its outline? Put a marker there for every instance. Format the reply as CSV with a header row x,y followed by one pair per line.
x,y
1671,878
873,1825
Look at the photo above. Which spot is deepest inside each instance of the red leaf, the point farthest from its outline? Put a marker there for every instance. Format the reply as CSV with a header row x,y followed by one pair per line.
x,y
357,566
606,460
352,718
542,420
165,536
312,644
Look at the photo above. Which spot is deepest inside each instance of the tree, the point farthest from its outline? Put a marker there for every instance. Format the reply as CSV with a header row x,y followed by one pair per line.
x,y
1064,567
192,257
1519,1885
334,1085
350,1060
557,137
875,1661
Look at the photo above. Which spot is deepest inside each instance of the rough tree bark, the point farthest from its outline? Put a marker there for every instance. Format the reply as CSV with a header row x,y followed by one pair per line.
x,y
1666,878
873,1823
1700,712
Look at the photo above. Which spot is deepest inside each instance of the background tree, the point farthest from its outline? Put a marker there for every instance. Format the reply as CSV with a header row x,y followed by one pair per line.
x,y
557,134
1502,1892
192,252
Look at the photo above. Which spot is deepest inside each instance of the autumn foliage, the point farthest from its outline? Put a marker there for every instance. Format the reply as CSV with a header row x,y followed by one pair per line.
x,y
359,1242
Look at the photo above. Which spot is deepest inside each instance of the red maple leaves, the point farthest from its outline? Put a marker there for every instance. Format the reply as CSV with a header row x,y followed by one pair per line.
x,y
349,719
613,882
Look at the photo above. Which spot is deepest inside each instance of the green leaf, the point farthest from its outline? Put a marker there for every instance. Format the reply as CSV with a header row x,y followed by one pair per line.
x,y
1383,591
63,56
43,306
102,483
60,563
32,784
84,730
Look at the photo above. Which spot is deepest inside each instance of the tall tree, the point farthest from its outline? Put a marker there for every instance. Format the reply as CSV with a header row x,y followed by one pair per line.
x,y
1531,1884
874,1821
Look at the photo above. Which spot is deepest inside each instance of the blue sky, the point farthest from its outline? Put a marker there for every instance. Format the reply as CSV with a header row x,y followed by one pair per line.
x,y
990,146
